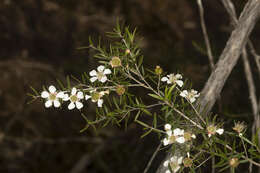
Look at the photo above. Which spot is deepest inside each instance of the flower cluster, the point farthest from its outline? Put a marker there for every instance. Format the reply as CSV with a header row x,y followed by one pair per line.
x,y
176,135
176,79
173,163
76,97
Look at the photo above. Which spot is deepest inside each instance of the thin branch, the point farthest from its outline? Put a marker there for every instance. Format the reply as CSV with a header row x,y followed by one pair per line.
x,y
152,158
205,34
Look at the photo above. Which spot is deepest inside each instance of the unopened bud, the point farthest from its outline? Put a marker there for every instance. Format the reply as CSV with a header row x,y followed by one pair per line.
x,y
187,162
120,90
233,162
158,70
115,62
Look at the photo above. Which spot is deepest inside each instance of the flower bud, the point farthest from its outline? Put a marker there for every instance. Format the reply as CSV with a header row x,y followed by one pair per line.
x,y
120,90
158,70
127,51
187,162
239,127
233,162
115,62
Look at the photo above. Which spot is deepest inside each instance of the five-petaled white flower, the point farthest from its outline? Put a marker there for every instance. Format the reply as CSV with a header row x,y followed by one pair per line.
x,y
172,79
52,97
74,98
176,135
190,95
97,97
173,163
100,74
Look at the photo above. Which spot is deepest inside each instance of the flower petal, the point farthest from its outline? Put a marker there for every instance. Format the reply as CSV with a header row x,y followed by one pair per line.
x,y
60,95
52,89
167,171
93,73
192,99
100,102
107,71
79,105
103,79
167,127
71,106
180,160
80,95
220,131
101,68
66,97
164,79
93,79
184,93
45,94
179,82
56,103
180,140
166,163
73,91
87,97
48,103
165,141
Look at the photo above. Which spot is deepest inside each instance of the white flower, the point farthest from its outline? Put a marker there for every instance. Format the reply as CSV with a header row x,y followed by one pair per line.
x,y
96,97
172,79
190,95
74,98
100,74
52,97
174,164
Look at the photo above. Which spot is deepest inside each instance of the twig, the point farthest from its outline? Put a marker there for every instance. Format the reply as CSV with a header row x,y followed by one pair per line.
x,y
152,158
205,34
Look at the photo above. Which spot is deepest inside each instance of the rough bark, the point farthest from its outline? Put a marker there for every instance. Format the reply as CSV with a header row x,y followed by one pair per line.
x,y
227,60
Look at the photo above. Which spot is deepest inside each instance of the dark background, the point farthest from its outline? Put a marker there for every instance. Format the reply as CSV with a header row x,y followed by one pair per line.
x,y
38,44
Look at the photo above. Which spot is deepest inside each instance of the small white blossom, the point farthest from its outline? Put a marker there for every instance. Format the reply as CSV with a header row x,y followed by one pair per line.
x,y
97,97
100,74
190,95
178,132
52,97
74,98
172,79
174,164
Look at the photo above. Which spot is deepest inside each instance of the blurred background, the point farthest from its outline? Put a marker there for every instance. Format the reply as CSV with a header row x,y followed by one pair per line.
x,y
38,44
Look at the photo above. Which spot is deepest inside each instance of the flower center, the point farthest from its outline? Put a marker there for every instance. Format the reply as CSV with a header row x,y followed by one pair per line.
x,y
95,96
115,62
100,75
73,98
172,78
174,165
212,129
52,96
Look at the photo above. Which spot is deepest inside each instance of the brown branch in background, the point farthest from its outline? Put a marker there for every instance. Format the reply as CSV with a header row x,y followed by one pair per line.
x,y
205,34
227,60
249,77
256,56
230,55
